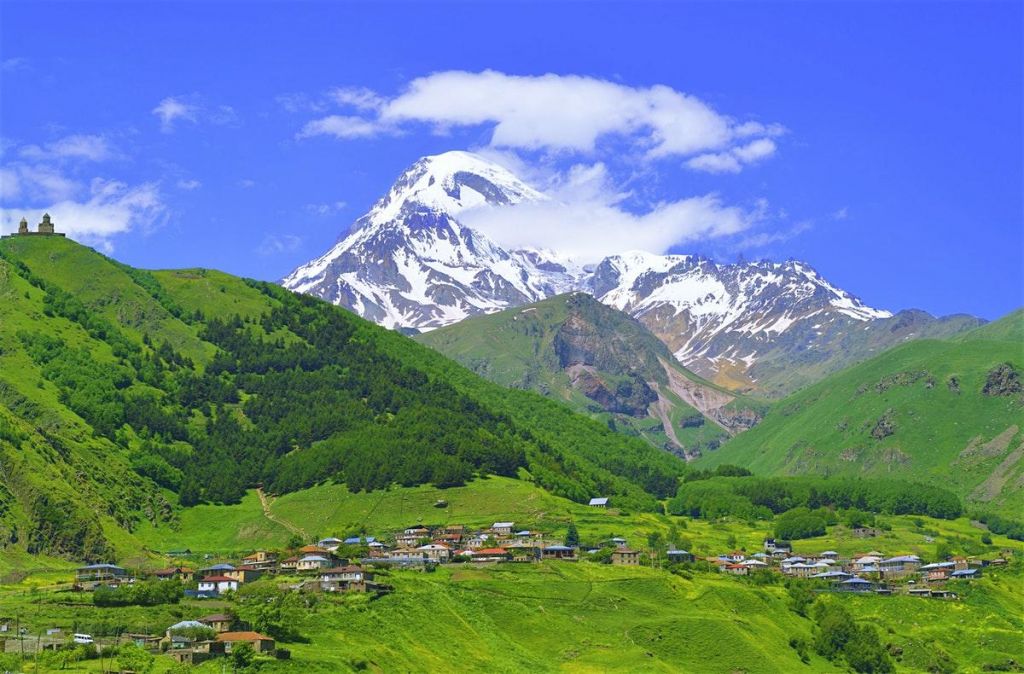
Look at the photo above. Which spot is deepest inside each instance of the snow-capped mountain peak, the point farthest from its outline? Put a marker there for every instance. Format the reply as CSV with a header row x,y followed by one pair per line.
x,y
410,263
449,183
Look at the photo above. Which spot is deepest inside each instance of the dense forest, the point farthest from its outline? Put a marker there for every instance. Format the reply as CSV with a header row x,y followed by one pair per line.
x,y
803,506
296,393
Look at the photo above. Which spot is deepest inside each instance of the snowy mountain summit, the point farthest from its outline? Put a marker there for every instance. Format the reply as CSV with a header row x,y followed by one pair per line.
x,y
409,263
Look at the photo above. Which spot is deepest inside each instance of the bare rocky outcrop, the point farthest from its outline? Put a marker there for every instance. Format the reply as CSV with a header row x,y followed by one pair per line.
x,y
1003,380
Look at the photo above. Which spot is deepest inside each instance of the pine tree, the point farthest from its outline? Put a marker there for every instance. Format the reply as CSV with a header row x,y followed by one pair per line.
x,y
572,537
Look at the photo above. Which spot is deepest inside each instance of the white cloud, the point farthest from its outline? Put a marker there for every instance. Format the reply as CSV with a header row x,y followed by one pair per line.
x,y
733,160
548,112
360,98
246,183
44,183
340,126
77,146
325,209
841,214
585,219
192,109
189,185
10,184
111,208
172,109
14,64
274,244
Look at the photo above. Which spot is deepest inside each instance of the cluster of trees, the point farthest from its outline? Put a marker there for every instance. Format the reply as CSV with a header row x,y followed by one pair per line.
x,y
753,498
998,524
147,593
838,637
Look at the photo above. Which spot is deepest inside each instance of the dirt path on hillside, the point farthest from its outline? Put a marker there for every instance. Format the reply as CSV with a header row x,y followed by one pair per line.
x,y
265,503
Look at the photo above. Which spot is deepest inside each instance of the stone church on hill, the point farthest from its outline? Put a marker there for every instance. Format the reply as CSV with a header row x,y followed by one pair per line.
x,y
45,228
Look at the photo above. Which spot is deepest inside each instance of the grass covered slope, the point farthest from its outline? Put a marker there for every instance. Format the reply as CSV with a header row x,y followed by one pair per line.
x,y
946,412
125,392
577,617
600,362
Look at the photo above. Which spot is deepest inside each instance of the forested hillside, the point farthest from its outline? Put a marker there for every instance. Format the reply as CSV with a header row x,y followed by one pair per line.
x,y
127,392
601,362
946,412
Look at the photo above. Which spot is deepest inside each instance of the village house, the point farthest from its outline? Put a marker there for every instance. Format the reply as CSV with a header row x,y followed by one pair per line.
x,y
261,560
217,585
754,564
435,552
524,551
854,584
860,563
149,642
259,642
599,502
677,556
558,552
965,574
331,544
503,529
219,622
195,653
865,532
312,563
937,571
403,553
476,542
452,540
802,569
176,572
289,564
349,578
215,570
491,555
411,537
358,540
899,567
99,572
243,574
832,576
733,557
625,557
737,569
619,542
829,554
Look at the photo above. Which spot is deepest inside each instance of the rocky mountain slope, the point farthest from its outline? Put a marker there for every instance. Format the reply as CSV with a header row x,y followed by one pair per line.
x,y
601,362
946,411
763,327
126,395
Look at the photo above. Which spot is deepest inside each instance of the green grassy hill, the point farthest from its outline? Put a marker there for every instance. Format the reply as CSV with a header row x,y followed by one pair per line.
x,y
128,392
557,616
602,363
946,412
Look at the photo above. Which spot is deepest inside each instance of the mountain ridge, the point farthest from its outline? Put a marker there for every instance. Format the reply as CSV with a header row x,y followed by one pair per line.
x,y
410,264
600,361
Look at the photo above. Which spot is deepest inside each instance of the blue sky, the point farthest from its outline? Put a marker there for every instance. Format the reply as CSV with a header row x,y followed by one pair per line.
x,y
882,143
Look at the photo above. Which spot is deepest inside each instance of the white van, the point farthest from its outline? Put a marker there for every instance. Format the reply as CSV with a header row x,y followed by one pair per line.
x,y
82,639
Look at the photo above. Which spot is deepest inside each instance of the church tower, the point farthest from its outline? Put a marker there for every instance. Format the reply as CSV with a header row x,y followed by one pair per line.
x,y
46,227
